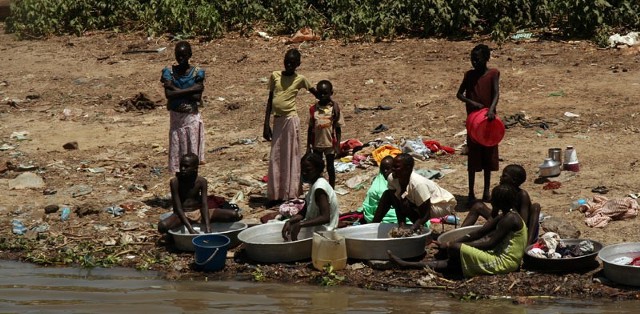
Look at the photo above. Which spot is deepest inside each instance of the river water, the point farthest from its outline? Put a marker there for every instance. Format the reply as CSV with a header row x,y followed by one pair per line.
x,y
26,288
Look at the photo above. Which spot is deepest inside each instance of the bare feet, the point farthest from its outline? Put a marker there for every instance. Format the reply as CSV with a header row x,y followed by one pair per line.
x,y
471,198
400,262
486,197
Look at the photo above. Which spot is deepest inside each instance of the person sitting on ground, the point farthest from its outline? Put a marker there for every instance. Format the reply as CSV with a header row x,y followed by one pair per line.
x,y
413,196
189,199
378,187
496,248
514,175
325,127
321,202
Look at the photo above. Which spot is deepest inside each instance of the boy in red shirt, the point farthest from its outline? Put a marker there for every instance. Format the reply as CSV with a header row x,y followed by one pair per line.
x,y
479,90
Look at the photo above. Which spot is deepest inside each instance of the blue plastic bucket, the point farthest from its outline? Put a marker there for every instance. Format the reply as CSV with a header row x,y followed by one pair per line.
x,y
210,251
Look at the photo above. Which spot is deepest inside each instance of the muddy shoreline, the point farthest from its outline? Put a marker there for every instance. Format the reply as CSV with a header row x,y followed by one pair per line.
x,y
71,89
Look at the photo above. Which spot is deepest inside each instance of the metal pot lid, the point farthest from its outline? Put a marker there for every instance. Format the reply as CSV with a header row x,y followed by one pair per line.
x,y
549,163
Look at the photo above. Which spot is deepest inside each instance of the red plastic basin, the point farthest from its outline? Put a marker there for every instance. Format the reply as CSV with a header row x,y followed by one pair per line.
x,y
482,131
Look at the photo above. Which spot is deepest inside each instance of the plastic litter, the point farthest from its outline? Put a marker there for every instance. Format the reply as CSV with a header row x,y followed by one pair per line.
x,y
571,114
302,35
448,219
64,215
630,39
415,148
20,135
6,146
264,35
44,227
115,210
521,34
344,166
577,203
18,227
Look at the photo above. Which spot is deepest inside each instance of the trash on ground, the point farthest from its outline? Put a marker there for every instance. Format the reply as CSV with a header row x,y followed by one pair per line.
x,y
138,102
132,51
629,39
115,211
415,148
342,167
64,215
557,94
79,190
430,174
6,146
27,180
20,135
356,182
264,35
245,141
18,227
571,114
96,170
521,34
302,35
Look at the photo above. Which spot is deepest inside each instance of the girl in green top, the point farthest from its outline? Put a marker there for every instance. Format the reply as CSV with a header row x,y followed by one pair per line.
x,y
496,248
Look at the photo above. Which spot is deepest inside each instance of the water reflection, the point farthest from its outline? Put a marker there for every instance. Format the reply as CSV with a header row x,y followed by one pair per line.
x,y
27,288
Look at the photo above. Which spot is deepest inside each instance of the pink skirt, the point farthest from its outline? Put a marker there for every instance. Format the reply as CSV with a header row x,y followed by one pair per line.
x,y
186,135
284,160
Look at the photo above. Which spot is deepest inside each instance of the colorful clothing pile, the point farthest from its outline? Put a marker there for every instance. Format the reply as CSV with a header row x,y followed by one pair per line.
x,y
550,246
600,210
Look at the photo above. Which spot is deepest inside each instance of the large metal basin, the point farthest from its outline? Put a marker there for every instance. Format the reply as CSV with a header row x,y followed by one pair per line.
x,y
371,241
570,264
622,274
264,243
182,238
455,234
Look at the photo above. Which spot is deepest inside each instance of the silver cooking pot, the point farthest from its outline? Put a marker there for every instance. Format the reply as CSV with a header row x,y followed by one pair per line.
x,y
549,168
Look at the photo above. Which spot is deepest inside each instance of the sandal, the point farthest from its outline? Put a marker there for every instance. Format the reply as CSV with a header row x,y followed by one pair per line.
x,y
380,128
601,189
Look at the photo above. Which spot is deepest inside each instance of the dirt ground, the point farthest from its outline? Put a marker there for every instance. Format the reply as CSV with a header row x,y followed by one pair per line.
x,y
66,89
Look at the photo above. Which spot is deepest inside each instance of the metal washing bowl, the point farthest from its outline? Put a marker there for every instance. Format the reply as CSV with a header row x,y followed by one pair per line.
x,y
182,238
264,243
569,264
622,274
371,241
455,234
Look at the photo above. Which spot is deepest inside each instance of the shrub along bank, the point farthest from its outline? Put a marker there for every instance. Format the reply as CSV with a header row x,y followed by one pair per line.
x,y
369,19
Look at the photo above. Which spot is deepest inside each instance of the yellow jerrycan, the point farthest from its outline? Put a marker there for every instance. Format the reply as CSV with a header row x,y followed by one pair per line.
x,y
328,248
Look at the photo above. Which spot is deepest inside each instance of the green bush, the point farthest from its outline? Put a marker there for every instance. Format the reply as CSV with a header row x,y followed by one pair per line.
x,y
369,19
